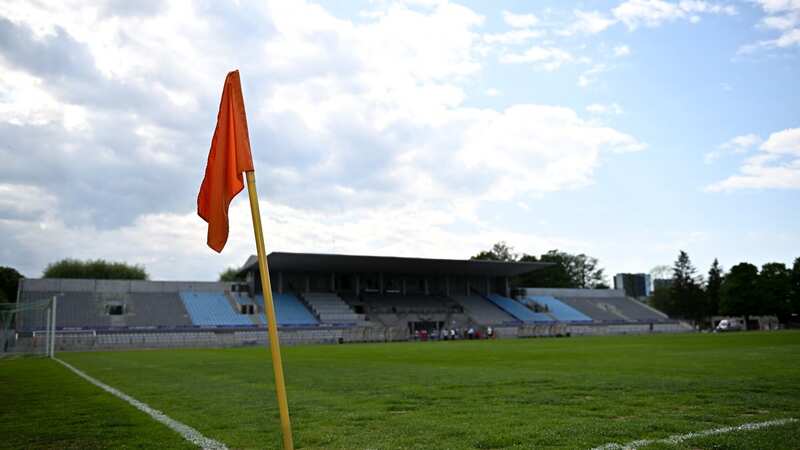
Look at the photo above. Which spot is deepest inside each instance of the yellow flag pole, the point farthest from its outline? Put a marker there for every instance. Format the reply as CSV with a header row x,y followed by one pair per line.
x,y
269,309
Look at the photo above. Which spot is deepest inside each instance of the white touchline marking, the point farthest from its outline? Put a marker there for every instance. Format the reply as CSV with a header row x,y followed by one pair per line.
x,y
188,433
678,438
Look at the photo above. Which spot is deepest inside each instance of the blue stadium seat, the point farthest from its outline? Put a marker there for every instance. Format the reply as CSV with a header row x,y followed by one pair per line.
x,y
559,309
289,310
518,310
212,309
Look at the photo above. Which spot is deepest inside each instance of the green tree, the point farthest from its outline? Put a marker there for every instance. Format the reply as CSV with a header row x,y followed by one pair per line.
x,y
9,280
585,272
713,287
231,274
499,252
687,295
94,269
795,288
739,293
555,275
567,271
775,288
663,301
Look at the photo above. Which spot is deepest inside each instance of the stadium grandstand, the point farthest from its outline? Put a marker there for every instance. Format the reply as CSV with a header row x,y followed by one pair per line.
x,y
329,298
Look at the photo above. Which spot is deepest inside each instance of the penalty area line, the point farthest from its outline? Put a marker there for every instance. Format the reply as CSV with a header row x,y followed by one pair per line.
x,y
188,433
679,438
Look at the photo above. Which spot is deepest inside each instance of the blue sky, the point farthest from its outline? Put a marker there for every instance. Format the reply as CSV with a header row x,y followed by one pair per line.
x,y
627,130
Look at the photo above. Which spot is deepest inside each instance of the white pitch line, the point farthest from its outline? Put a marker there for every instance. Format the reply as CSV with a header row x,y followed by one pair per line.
x,y
678,438
188,433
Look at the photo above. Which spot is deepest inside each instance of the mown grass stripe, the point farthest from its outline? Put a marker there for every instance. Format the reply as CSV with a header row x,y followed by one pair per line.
x,y
188,433
679,438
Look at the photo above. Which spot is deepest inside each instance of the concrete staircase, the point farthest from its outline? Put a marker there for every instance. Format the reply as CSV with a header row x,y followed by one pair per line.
x,y
331,309
238,298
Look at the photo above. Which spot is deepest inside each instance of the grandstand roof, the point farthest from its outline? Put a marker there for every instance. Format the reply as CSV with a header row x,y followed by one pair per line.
x,y
319,262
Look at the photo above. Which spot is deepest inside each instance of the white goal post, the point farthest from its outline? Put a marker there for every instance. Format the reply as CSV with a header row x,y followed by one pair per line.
x,y
39,316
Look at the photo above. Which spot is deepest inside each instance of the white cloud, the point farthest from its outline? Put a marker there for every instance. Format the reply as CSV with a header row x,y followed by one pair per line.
x,y
538,148
493,92
590,75
776,166
549,58
786,142
741,144
515,36
622,50
361,133
519,20
588,22
738,145
652,13
599,108
783,17
21,201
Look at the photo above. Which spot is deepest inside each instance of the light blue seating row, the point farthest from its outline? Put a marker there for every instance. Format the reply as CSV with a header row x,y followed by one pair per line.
x,y
289,310
212,309
559,309
518,310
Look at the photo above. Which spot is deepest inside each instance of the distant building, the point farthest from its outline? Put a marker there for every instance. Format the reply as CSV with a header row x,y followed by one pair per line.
x,y
634,284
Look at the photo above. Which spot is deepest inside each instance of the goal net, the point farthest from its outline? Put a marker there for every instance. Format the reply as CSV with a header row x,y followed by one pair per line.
x,y
28,328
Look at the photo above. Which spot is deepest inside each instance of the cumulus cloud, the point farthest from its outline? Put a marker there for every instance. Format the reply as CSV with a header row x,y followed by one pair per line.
x,y
622,50
600,108
588,22
738,144
783,142
590,75
652,13
523,28
361,131
775,166
519,20
512,37
783,18
548,58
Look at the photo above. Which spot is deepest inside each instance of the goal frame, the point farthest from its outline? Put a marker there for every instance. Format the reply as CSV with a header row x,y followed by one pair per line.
x,y
11,314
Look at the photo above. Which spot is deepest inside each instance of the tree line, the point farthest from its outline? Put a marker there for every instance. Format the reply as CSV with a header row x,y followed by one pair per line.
x,y
98,269
567,270
9,280
743,291
94,269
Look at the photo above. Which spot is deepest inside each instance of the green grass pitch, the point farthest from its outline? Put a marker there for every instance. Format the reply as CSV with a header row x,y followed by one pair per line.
x,y
516,394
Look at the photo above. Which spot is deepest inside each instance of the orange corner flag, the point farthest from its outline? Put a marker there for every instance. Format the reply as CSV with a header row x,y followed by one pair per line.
x,y
228,158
